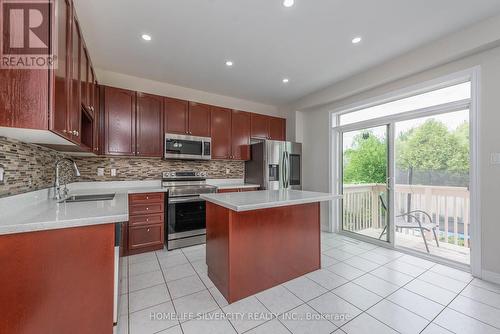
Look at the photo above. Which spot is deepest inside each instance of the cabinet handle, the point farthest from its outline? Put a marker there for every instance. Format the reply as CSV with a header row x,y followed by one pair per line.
x,y
147,209
148,229
147,219
147,197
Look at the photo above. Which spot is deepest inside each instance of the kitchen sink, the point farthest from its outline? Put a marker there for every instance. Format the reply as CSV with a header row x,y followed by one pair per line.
x,y
89,198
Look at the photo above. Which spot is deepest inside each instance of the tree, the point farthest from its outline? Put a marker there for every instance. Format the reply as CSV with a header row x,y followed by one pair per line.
x,y
366,160
431,146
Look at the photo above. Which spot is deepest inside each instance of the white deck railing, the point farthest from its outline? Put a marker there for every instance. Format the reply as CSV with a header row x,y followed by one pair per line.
x,y
447,205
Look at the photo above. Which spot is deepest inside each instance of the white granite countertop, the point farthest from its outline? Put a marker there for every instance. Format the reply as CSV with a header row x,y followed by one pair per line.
x,y
38,211
263,199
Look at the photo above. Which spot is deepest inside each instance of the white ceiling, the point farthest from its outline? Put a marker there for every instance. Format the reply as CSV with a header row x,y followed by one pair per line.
x,y
310,43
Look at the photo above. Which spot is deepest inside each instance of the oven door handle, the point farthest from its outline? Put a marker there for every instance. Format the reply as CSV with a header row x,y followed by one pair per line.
x,y
189,199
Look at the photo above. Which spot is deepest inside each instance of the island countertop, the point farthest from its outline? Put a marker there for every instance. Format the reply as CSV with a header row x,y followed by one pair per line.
x,y
263,199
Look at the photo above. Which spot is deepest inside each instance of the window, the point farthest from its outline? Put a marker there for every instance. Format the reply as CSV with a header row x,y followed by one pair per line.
x,y
433,98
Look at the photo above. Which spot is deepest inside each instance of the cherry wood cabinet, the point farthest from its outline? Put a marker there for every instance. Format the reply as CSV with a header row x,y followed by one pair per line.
x,y
240,135
277,128
48,275
176,115
119,109
268,127
220,119
149,125
75,110
51,99
260,126
199,119
61,94
146,222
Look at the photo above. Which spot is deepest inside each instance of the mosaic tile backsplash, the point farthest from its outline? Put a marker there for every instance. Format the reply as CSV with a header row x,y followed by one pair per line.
x,y
30,167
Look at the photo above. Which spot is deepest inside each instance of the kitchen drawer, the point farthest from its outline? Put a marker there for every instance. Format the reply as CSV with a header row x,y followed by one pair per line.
x,y
148,236
145,198
147,208
155,218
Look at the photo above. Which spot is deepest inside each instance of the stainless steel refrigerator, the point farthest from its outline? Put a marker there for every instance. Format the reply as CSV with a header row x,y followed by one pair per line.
x,y
275,165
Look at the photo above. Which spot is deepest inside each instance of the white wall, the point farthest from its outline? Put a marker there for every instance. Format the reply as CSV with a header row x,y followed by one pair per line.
x,y
316,130
165,89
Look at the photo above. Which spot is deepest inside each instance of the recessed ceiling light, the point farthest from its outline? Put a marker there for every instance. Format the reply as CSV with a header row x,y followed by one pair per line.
x,y
229,63
288,3
356,40
286,80
146,37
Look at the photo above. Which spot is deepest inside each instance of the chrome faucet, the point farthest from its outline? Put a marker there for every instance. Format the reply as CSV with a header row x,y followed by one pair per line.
x,y
57,184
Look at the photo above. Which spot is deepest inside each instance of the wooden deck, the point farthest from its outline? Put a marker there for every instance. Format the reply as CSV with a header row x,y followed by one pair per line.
x,y
445,250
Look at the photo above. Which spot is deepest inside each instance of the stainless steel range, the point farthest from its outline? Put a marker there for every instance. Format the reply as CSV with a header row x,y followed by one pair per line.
x,y
185,224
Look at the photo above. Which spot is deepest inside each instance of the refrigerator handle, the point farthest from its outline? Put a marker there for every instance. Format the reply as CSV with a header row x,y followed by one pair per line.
x,y
283,172
287,172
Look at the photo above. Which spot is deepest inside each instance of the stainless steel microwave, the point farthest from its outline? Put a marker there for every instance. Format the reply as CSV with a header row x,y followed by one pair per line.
x,y
187,147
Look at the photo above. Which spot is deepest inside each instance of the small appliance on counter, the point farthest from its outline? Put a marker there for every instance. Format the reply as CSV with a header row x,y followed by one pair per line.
x,y
185,214
275,165
187,147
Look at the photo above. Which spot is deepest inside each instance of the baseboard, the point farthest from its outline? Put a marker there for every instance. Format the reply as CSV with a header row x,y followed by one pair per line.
x,y
491,276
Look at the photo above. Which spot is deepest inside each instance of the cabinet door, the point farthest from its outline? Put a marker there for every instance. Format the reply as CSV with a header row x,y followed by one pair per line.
x,y
76,106
62,82
119,109
176,116
97,119
220,119
149,125
260,126
240,138
199,119
84,78
277,128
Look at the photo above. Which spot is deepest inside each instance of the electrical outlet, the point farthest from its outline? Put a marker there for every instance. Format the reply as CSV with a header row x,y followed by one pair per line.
x,y
100,171
228,171
2,174
113,171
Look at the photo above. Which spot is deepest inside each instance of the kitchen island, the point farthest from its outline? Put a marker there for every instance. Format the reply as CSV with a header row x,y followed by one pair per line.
x,y
259,239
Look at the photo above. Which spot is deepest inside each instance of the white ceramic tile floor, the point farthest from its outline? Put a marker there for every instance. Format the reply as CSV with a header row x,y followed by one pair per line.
x,y
362,288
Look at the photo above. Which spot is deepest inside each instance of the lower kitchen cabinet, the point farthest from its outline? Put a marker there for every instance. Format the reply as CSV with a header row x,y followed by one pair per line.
x,y
144,237
58,281
146,230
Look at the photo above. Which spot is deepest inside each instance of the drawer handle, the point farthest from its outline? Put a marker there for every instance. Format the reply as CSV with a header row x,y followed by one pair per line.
x,y
147,197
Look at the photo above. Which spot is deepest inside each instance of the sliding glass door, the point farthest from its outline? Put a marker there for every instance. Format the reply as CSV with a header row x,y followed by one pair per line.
x,y
365,178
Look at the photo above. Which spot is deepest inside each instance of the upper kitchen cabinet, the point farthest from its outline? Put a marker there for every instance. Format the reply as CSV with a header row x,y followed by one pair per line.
x,y
199,119
149,125
119,121
51,99
268,127
220,119
277,128
240,135
260,126
62,84
176,116
76,87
